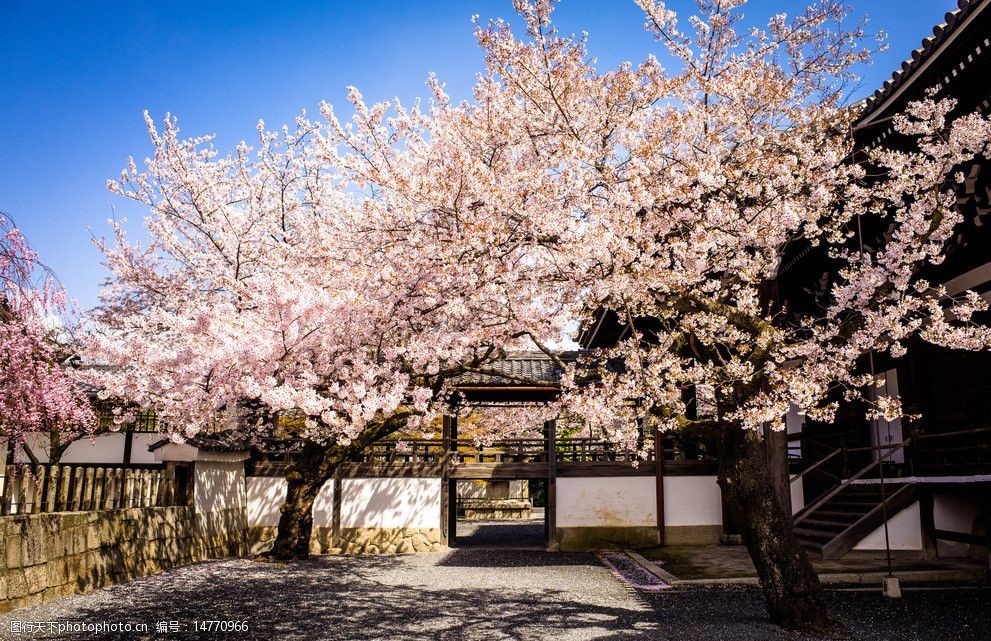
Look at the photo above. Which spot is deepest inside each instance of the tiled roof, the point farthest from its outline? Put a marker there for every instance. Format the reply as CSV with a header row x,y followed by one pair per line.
x,y
941,33
225,441
517,369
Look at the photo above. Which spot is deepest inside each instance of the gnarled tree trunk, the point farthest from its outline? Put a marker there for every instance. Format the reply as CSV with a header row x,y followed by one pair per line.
x,y
791,586
306,475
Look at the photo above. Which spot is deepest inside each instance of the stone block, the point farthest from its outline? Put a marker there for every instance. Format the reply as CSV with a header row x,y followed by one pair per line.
x,y
14,554
420,542
56,571
17,586
36,577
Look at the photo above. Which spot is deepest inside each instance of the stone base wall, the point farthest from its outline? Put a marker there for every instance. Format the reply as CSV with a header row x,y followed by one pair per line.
x,y
693,534
575,539
47,556
355,540
372,540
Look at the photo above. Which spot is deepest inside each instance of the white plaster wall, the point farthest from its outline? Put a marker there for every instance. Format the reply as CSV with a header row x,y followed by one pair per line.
x,y
797,496
692,500
323,506
391,502
139,447
904,532
108,448
265,495
218,485
105,449
956,514
619,502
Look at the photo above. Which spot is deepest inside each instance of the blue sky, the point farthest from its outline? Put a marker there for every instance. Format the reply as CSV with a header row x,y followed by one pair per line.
x,y
75,78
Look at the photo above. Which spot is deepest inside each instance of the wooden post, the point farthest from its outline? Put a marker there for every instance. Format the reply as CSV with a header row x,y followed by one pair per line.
x,y
37,505
52,493
87,502
127,496
452,484
78,480
928,522
65,480
99,480
22,492
335,518
445,487
110,492
128,438
659,457
550,442
146,494
987,534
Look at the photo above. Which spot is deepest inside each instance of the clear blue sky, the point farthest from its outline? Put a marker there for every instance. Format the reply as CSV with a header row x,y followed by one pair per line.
x,y
75,78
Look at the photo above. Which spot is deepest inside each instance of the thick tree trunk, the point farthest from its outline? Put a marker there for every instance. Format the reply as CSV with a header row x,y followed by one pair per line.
x,y
791,587
304,476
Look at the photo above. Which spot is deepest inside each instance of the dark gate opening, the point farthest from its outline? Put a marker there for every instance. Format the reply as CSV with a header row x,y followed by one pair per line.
x,y
499,513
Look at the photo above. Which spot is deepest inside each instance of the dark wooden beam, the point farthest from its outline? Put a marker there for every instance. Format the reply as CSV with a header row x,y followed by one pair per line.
x,y
928,522
659,487
335,524
452,483
445,486
550,434
399,469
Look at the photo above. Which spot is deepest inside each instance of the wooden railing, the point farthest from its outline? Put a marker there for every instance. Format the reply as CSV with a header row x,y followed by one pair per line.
x,y
71,488
812,506
955,452
466,450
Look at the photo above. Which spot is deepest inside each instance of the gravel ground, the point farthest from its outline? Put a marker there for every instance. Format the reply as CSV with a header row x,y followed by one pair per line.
x,y
478,594
521,533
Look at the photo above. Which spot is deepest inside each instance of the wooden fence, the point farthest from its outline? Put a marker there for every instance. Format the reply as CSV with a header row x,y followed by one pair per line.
x,y
67,488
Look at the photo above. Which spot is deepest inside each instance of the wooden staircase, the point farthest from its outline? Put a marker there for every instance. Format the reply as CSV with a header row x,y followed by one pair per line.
x,y
830,528
831,525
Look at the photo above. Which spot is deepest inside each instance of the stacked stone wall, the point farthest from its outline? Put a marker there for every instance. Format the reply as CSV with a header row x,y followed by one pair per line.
x,y
47,556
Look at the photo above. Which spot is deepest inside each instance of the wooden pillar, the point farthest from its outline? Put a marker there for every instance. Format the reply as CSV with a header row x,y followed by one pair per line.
x,y
550,442
335,519
452,483
928,523
987,533
128,438
659,458
448,516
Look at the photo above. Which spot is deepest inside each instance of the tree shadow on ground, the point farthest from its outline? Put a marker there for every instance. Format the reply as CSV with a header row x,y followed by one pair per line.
x,y
509,534
563,596
346,598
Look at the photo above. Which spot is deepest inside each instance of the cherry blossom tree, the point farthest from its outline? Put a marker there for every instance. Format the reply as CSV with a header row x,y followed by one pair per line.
x,y
674,198
37,393
345,272
290,281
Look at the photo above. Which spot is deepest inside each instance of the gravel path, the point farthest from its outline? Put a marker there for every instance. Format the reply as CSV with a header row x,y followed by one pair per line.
x,y
477,594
